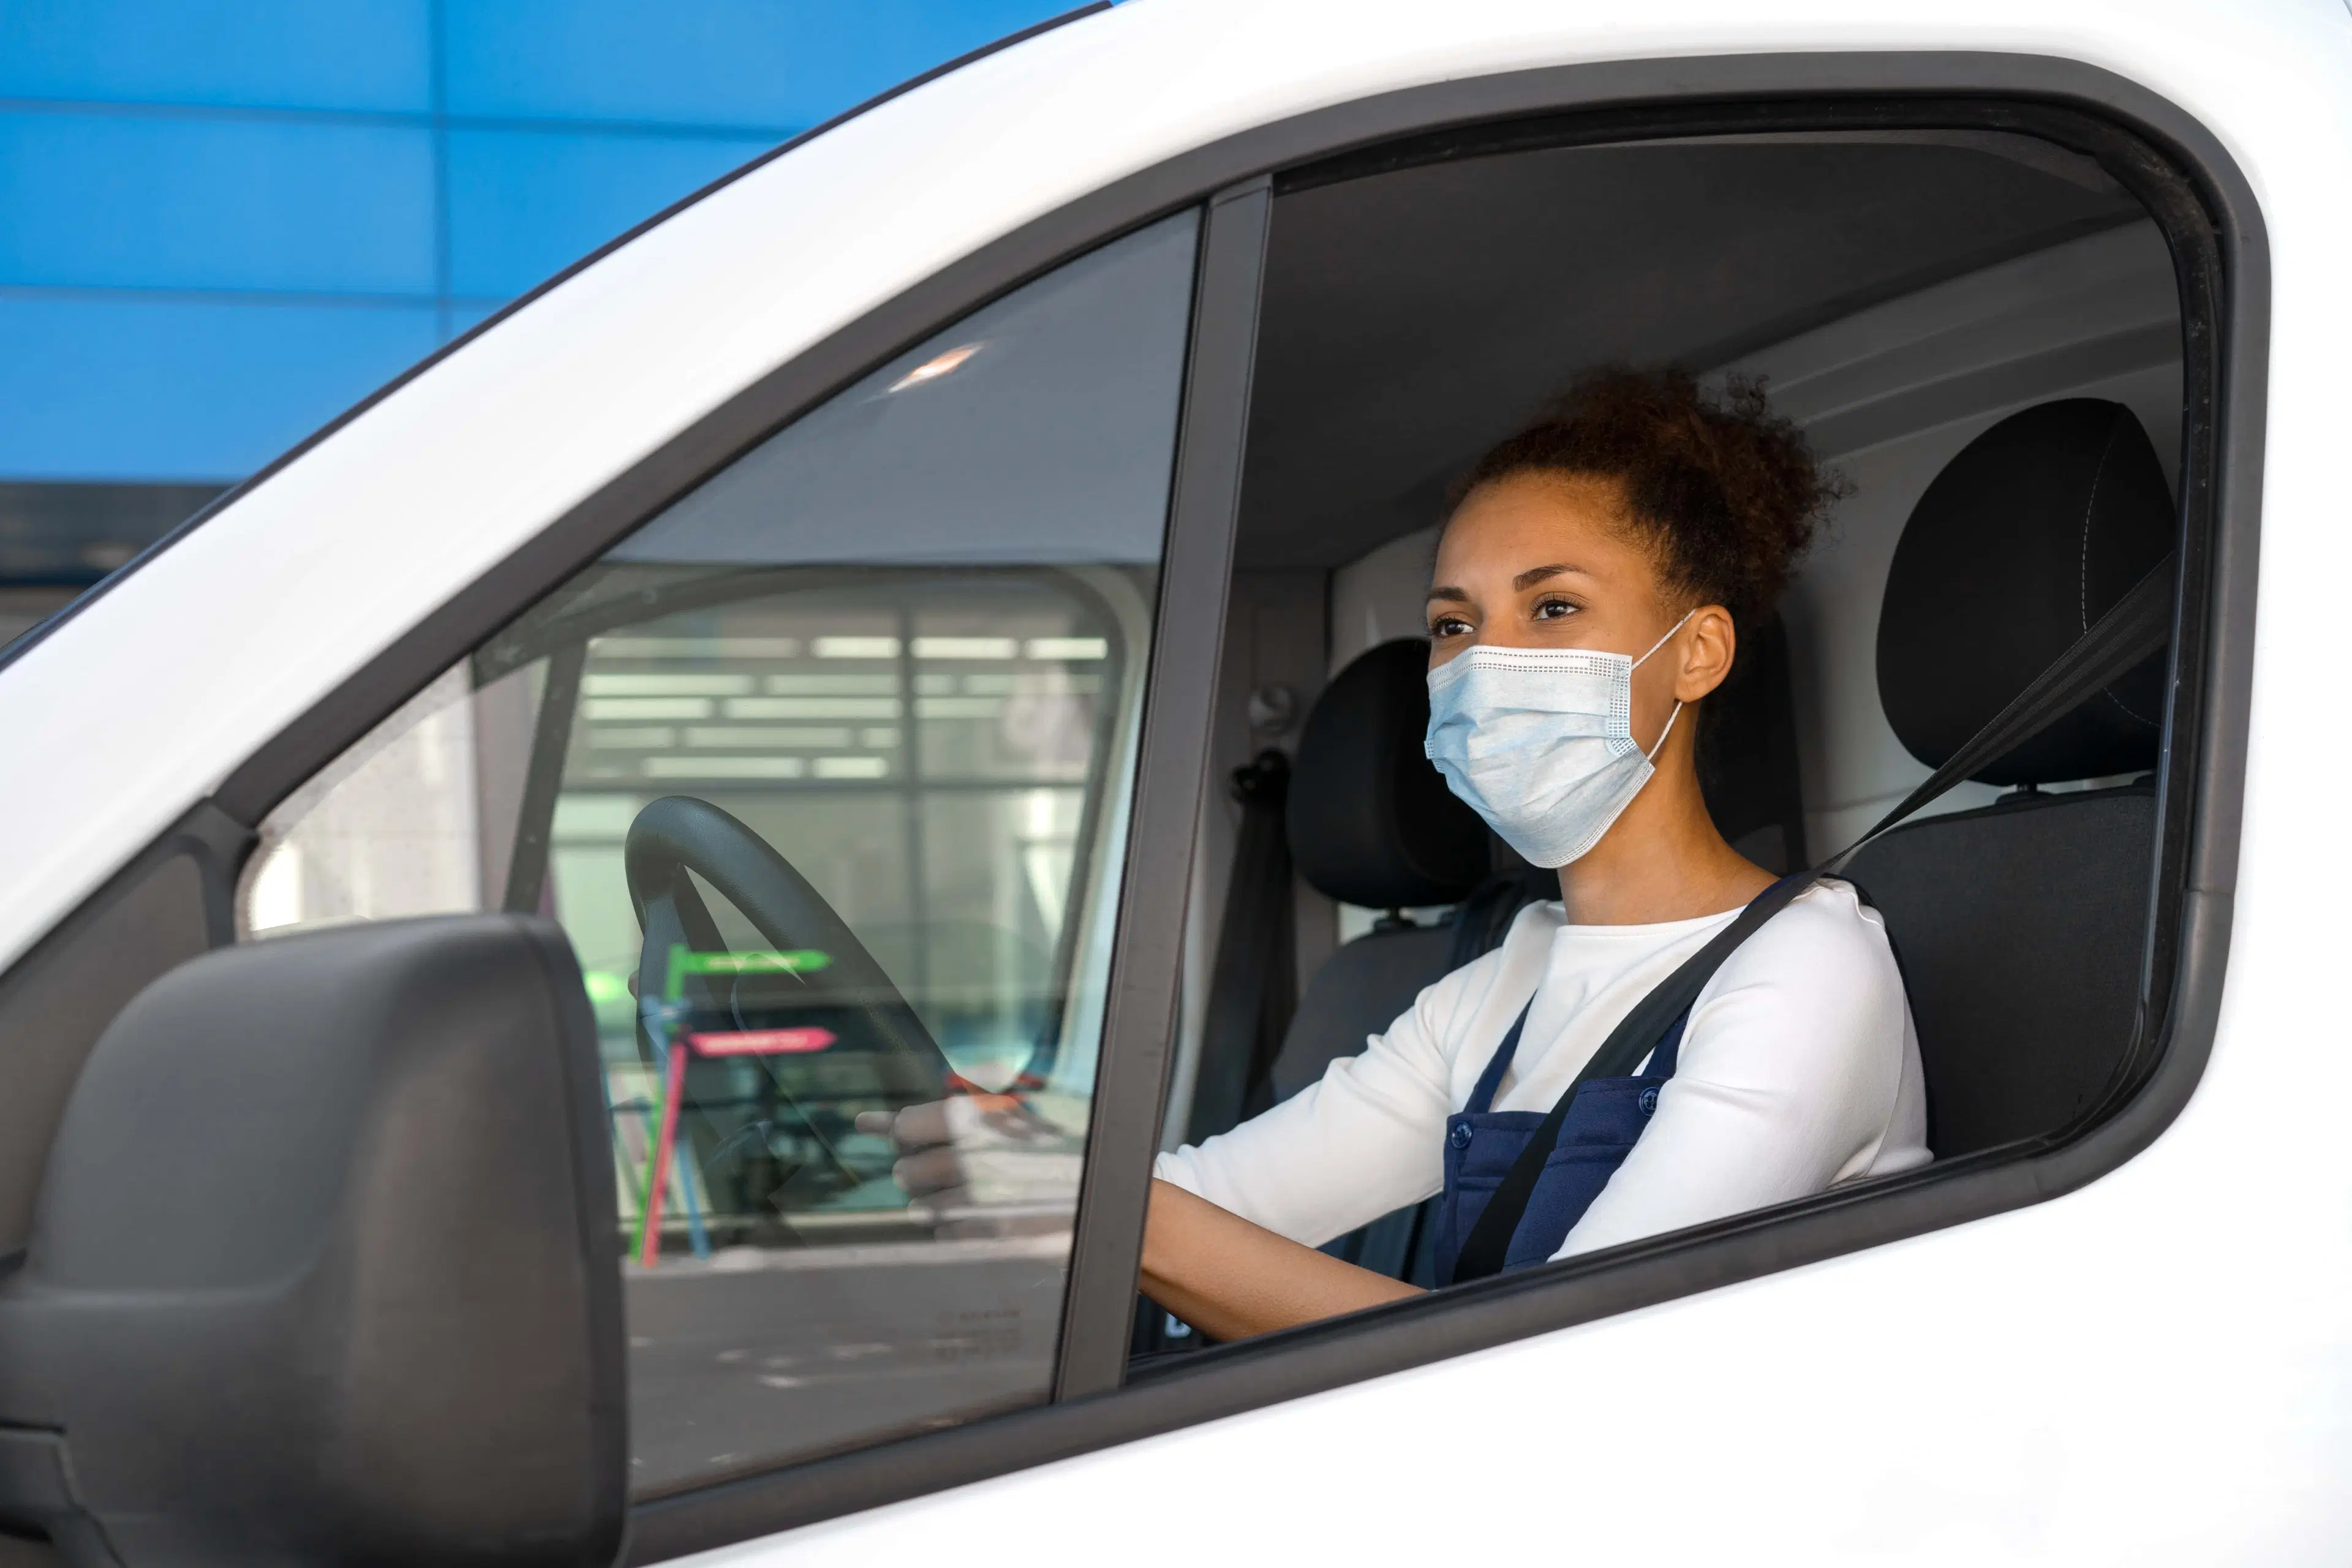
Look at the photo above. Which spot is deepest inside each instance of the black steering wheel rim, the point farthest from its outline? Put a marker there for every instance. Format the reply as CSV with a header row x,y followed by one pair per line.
x,y
677,833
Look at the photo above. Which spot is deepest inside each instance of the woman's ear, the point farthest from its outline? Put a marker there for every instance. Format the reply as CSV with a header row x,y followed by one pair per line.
x,y
1709,645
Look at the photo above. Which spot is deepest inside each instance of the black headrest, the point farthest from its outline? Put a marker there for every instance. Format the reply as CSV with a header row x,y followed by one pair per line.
x,y
1371,821
2027,537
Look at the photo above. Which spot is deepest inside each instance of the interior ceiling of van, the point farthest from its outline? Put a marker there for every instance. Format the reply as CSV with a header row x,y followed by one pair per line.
x,y
1412,317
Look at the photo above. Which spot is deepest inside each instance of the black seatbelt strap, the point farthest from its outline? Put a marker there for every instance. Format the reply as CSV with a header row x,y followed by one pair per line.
x,y
1252,980
2137,625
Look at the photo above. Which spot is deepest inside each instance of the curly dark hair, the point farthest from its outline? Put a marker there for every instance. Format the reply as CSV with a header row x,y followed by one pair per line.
x,y
1725,492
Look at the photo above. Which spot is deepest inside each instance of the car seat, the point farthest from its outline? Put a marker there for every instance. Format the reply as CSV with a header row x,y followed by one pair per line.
x,y
2021,925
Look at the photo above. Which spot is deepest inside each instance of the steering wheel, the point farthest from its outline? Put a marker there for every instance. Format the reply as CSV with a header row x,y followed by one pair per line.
x,y
678,834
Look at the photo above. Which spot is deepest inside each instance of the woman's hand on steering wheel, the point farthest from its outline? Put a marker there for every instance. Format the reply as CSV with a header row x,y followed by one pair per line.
x,y
971,1153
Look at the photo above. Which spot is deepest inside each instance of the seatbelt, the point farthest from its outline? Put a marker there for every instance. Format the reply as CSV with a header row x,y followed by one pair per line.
x,y
1252,979
1484,918
2139,624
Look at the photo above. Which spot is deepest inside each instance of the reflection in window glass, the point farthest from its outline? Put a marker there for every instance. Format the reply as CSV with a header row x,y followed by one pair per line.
x,y
825,773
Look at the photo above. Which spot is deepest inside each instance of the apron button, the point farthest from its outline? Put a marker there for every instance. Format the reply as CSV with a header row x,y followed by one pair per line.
x,y
1460,1136
1648,1100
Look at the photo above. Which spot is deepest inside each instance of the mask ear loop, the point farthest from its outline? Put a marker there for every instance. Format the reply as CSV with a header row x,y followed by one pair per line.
x,y
1652,755
1664,641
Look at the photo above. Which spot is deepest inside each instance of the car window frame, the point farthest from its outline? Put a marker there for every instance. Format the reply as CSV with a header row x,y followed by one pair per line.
x,y
2212,220
2201,200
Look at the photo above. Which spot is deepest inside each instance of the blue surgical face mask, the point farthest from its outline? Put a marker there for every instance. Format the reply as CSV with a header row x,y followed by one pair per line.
x,y
1540,741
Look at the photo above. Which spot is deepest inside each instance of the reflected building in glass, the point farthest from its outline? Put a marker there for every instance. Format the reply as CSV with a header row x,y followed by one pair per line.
x,y
220,225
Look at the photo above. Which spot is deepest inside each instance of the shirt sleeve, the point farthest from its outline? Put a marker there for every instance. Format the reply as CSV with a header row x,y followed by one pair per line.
x,y
1365,1138
1788,1077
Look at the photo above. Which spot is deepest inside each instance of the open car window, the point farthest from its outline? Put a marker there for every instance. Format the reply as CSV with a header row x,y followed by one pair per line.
x,y
1980,334
826,772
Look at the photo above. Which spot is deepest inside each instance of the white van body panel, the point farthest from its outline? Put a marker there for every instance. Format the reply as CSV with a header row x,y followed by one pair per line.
x,y
2157,1368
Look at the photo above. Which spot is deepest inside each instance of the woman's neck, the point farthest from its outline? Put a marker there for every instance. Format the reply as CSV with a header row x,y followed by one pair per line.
x,y
1661,860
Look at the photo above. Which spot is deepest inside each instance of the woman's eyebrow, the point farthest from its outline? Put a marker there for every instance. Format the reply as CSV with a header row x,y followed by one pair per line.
x,y
1452,596
1534,575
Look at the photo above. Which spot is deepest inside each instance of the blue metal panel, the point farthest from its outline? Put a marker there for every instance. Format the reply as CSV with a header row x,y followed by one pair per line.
x,y
93,199
280,215
524,204
287,54
745,63
128,389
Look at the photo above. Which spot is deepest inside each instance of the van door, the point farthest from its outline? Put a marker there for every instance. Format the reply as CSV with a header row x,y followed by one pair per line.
x,y
858,776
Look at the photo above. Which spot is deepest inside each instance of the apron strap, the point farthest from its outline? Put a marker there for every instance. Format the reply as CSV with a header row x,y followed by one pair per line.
x,y
1668,1056
1490,1078
1482,1098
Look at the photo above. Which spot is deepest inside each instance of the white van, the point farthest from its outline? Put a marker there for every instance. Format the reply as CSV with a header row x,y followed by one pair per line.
x,y
470,893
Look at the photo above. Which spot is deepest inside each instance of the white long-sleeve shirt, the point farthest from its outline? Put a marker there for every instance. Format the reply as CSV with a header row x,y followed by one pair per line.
x,y
1799,1069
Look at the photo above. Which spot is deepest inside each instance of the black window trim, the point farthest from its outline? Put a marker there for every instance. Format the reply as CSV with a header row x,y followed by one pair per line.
x,y
1172,775
2221,245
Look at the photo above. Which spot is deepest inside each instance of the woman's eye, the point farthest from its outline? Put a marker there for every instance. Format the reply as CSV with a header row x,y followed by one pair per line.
x,y
1553,609
1449,626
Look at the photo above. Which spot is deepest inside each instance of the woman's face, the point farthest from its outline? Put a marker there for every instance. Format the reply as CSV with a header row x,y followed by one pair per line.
x,y
1542,560
1539,560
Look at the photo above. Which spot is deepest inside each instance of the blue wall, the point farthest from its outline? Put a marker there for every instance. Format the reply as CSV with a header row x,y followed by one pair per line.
x,y
222,221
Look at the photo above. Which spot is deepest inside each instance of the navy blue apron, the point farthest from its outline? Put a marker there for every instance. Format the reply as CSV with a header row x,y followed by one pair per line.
x,y
1603,1121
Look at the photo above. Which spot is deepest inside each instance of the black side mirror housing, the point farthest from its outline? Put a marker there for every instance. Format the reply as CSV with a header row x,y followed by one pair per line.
x,y
325,1266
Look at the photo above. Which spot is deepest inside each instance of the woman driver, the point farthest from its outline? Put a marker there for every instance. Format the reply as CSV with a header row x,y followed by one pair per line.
x,y
1639,522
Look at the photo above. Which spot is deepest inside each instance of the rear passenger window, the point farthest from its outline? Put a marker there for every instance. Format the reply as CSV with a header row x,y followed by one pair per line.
x,y
825,771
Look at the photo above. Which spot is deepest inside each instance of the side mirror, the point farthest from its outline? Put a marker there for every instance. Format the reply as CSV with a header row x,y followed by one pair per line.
x,y
325,1266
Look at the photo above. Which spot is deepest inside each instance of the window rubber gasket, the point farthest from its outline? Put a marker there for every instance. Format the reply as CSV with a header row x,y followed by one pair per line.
x,y
2210,217
2206,210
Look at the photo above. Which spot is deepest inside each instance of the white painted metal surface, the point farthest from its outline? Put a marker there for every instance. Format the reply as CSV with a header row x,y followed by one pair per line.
x,y
2156,1369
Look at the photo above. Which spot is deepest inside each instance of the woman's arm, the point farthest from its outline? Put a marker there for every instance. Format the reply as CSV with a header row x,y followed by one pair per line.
x,y
1364,1140
1230,1278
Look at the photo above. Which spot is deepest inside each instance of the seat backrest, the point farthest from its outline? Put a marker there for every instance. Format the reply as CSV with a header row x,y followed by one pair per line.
x,y
1372,824
2021,927
1748,752
1358,992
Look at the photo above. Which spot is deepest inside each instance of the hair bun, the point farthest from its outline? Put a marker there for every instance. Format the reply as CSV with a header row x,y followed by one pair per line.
x,y
1726,490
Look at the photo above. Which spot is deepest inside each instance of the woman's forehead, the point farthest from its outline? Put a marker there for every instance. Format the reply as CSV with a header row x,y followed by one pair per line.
x,y
1525,520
